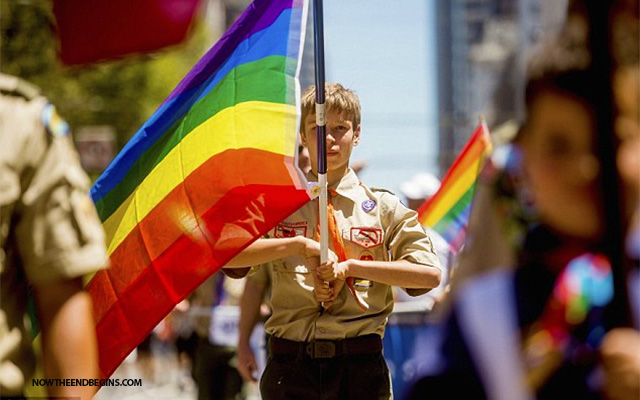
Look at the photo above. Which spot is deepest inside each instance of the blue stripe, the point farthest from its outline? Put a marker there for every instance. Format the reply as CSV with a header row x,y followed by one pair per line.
x,y
261,44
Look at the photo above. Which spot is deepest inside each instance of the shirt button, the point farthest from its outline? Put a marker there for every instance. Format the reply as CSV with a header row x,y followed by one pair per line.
x,y
322,330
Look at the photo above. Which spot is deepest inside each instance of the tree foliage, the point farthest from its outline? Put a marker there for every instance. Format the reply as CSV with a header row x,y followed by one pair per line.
x,y
121,93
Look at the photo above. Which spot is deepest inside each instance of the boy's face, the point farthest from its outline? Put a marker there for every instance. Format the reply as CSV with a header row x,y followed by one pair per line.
x,y
341,138
561,165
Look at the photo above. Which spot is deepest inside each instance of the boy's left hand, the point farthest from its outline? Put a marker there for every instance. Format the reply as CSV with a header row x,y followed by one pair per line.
x,y
332,271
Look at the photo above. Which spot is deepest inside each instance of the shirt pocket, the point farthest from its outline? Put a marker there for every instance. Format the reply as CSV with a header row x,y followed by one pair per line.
x,y
294,283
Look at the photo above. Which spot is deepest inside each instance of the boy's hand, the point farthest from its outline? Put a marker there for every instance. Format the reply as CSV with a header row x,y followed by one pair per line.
x,y
332,277
332,271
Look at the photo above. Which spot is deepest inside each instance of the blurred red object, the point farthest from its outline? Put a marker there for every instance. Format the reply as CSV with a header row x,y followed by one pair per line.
x,y
96,30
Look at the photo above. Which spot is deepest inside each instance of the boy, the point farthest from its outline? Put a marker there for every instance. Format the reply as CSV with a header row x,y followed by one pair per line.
x,y
335,351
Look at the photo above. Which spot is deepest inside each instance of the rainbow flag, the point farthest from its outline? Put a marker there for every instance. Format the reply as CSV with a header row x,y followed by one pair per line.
x,y
447,212
211,171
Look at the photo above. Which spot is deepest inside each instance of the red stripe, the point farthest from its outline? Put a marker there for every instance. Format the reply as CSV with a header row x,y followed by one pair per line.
x,y
200,190
126,298
478,143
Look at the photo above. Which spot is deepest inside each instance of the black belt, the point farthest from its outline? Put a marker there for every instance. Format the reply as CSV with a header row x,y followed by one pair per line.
x,y
367,344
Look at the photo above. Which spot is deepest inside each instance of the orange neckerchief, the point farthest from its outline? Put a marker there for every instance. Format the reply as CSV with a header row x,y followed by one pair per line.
x,y
338,244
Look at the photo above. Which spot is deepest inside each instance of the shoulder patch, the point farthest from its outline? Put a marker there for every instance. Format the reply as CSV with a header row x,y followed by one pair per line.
x,y
374,189
53,122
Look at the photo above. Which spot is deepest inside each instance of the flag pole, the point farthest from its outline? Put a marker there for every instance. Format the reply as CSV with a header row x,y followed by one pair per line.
x,y
318,31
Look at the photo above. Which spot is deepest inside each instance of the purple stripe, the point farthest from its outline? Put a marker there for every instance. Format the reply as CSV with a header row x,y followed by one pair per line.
x,y
246,25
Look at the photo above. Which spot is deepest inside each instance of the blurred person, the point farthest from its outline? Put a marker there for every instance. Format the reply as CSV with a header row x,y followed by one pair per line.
x,y
252,310
51,238
252,305
206,330
420,188
514,333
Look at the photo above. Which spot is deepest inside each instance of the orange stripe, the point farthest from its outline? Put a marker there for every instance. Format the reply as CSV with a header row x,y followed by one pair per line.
x,y
179,212
479,144
126,318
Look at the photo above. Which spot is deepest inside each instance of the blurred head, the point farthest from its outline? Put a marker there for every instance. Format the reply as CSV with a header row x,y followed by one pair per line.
x,y
419,189
303,159
558,140
342,127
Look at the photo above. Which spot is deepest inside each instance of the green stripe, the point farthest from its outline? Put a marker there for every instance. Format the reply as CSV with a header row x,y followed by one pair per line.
x,y
456,210
260,80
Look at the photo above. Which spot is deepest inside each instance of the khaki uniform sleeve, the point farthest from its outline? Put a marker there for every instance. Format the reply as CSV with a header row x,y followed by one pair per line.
x,y
59,235
406,238
260,274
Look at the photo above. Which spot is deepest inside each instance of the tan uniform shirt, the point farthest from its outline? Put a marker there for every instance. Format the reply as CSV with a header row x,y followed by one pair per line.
x,y
49,229
374,226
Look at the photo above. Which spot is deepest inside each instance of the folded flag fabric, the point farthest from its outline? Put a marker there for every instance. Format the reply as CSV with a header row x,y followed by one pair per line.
x,y
211,171
447,212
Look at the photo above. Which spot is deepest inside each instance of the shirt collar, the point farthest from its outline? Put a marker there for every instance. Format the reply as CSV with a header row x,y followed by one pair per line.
x,y
347,186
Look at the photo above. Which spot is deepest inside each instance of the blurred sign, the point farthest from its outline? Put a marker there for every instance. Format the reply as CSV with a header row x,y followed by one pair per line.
x,y
95,30
96,146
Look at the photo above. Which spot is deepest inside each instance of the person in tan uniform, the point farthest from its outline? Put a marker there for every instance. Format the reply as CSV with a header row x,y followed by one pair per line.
x,y
50,238
325,341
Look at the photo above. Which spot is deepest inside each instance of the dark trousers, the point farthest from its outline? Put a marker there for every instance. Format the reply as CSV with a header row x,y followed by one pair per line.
x,y
352,377
215,377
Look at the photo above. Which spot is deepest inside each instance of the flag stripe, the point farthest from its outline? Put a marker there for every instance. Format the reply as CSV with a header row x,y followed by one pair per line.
x,y
261,44
455,193
456,214
237,128
259,80
467,161
247,22
447,212
142,304
177,214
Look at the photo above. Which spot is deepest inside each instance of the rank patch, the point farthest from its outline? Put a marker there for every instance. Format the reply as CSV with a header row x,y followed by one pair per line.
x,y
366,237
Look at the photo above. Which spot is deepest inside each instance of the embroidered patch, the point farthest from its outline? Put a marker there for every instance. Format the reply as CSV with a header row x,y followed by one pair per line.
x,y
368,205
366,237
291,229
362,283
52,121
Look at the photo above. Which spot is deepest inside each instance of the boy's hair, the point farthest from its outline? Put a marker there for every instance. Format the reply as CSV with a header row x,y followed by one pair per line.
x,y
337,98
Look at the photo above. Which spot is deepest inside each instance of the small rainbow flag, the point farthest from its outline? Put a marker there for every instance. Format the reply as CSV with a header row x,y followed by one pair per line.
x,y
211,171
447,212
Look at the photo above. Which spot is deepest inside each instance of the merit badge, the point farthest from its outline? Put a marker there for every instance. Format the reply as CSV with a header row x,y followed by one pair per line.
x,y
366,237
291,229
368,205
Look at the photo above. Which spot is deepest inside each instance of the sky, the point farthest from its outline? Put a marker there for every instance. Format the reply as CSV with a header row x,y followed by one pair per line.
x,y
385,51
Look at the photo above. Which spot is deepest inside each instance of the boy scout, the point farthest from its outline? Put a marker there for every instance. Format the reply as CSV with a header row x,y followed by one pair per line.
x,y
50,237
335,351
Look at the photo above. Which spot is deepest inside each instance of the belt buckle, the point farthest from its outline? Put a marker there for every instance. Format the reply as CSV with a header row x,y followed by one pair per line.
x,y
323,349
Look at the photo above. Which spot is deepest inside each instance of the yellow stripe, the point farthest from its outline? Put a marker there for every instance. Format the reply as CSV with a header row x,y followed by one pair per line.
x,y
457,190
259,125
